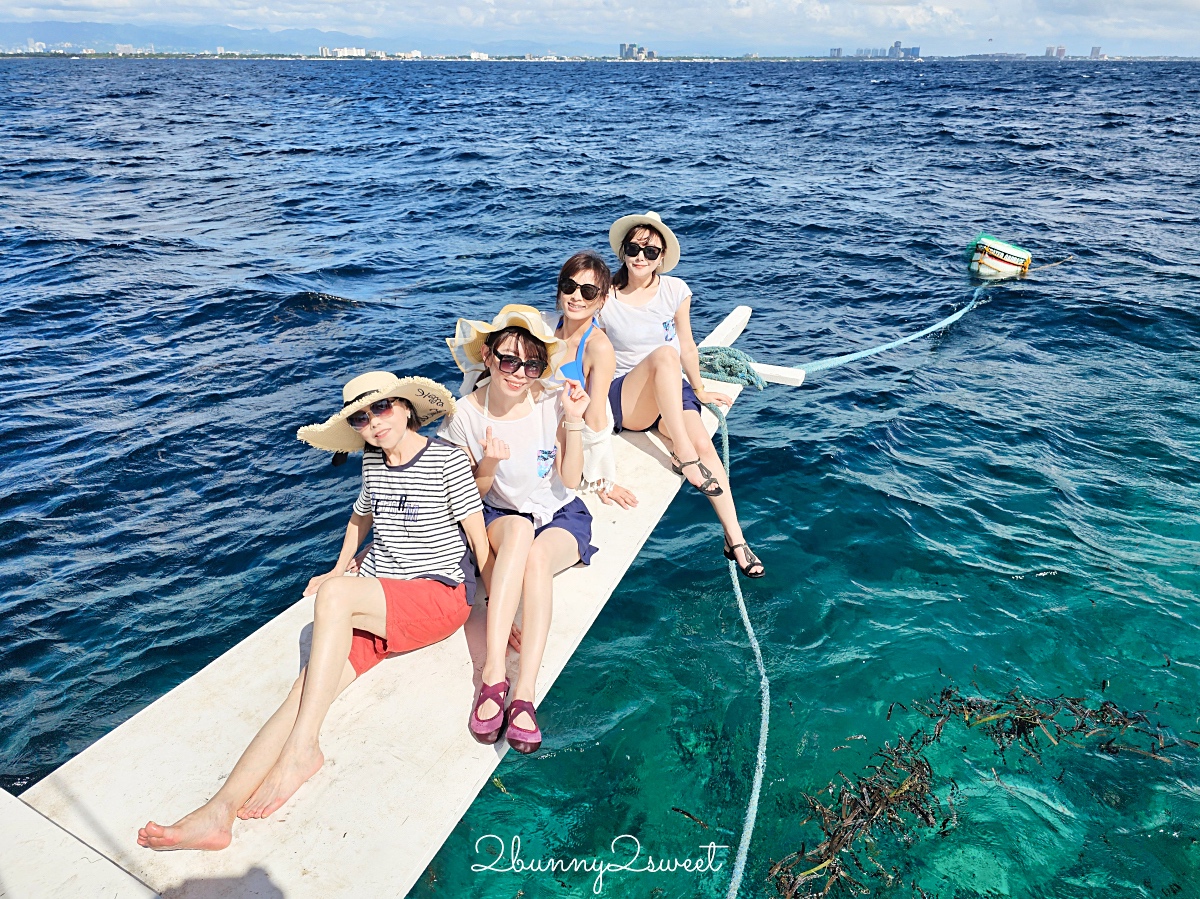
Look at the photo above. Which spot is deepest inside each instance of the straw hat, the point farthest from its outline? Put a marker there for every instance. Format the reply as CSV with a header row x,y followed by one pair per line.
x,y
429,398
466,346
622,226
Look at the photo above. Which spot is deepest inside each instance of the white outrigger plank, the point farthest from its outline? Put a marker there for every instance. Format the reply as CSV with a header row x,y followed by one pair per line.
x,y
400,767
41,860
779,374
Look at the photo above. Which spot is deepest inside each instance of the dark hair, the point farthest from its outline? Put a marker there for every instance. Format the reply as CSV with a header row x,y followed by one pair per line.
x,y
586,261
621,278
526,342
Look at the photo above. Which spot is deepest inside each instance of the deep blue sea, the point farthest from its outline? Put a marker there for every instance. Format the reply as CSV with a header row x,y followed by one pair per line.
x,y
196,255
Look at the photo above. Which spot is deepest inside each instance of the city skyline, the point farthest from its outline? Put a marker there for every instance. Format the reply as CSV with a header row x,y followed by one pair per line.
x,y
679,27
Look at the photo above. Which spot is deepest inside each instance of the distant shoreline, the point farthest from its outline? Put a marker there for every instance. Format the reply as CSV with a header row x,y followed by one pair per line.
x,y
844,60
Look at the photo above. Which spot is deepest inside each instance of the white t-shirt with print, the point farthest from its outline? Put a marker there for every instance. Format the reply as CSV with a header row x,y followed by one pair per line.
x,y
528,480
637,331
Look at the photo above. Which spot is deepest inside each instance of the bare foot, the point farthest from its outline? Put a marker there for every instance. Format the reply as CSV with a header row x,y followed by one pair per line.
x,y
291,770
205,828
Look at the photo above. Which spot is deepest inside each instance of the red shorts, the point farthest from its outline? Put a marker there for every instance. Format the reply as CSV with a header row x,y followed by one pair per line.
x,y
419,613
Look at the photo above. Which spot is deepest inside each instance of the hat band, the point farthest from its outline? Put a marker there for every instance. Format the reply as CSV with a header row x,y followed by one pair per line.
x,y
359,397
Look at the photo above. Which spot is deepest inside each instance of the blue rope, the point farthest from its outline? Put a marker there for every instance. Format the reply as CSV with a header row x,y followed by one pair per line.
x,y
724,363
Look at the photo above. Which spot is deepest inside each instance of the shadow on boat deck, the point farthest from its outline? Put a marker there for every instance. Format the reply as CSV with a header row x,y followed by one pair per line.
x,y
254,883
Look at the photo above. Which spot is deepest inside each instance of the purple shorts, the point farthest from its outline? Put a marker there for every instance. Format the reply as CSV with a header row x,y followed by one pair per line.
x,y
614,399
574,518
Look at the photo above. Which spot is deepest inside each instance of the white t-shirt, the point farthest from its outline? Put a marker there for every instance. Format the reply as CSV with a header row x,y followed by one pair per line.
x,y
528,480
637,331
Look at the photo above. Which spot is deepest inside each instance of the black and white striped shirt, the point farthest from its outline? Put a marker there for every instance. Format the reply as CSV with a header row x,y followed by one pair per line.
x,y
417,508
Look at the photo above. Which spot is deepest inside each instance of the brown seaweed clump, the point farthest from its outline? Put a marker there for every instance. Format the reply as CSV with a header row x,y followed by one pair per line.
x,y
893,797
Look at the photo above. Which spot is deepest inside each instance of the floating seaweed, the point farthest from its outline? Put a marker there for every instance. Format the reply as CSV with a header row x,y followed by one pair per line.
x,y
1020,720
895,797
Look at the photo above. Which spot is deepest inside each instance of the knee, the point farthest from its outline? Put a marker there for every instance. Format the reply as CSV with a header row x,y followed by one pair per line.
x,y
538,561
665,357
333,598
703,443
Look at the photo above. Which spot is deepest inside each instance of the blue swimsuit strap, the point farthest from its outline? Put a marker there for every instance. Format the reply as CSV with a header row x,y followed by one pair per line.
x,y
574,368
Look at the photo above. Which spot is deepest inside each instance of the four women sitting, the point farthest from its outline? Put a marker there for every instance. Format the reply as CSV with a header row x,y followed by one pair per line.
x,y
541,395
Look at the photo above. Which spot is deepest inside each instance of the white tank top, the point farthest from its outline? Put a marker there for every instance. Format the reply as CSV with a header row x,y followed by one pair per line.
x,y
528,480
637,331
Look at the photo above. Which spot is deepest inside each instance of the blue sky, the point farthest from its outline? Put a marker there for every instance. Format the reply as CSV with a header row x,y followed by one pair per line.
x,y
704,26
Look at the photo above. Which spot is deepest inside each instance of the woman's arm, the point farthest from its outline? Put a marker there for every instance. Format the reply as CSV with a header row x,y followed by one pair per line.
x,y
477,538
356,532
601,366
570,434
689,355
495,451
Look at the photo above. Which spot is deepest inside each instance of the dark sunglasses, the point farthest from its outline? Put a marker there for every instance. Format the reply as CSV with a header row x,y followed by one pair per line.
x,y
509,365
589,292
380,409
632,249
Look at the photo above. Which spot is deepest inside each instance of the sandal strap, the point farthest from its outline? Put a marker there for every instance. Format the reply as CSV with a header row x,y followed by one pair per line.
x,y
522,705
495,692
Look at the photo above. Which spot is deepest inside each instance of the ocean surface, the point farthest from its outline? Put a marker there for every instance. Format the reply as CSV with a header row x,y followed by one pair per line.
x,y
196,255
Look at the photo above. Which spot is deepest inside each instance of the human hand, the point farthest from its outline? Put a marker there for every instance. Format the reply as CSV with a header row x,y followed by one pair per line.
x,y
315,583
575,401
622,496
514,637
714,398
494,449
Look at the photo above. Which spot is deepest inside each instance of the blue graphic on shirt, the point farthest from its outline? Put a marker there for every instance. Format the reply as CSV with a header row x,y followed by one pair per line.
x,y
669,330
545,461
399,507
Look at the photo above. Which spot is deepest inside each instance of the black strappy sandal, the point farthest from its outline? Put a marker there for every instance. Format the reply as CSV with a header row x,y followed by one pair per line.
x,y
752,561
710,486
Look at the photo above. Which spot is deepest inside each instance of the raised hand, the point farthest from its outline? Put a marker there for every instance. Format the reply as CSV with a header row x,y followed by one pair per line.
x,y
575,401
494,448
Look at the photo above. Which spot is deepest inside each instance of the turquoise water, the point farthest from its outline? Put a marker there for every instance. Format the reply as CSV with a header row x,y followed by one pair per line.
x,y
196,260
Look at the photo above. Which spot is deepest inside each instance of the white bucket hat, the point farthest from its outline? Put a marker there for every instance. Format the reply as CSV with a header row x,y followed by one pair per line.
x,y
429,399
623,225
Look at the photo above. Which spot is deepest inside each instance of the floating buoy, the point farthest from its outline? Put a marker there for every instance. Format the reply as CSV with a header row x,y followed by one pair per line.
x,y
994,259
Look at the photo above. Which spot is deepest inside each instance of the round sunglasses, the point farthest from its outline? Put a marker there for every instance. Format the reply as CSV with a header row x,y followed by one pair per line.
x,y
380,409
632,249
567,287
509,364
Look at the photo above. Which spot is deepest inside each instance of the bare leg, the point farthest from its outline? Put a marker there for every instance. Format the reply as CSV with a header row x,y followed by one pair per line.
x,y
723,504
210,826
652,389
342,605
511,537
552,551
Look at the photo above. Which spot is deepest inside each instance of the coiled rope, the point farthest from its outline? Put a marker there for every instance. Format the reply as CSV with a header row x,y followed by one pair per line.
x,y
735,367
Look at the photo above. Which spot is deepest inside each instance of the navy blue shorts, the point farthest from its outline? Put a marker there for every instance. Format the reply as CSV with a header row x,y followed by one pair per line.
x,y
574,518
614,399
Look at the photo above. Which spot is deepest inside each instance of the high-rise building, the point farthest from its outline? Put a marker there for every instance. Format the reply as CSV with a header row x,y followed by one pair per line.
x,y
914,52
1049,51
1095,52
1061,52
835,53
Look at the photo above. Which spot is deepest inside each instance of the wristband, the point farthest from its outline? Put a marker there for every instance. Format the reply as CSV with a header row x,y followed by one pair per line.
x,y
574,425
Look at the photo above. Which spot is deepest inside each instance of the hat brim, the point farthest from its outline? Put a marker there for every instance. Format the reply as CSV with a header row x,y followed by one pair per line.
x,y
466,346
429,399
622,226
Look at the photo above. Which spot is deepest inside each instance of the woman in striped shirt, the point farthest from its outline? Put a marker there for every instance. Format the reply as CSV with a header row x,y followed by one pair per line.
x,y
414,587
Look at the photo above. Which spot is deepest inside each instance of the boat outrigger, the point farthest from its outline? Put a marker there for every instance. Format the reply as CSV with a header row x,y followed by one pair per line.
x,y
173,754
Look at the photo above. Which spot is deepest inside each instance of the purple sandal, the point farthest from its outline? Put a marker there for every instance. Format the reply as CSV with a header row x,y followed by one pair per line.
x,y
489,731
522,740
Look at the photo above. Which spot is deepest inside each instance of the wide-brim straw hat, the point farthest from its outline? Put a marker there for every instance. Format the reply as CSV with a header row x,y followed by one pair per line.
x,y
429,399
622,226
466,346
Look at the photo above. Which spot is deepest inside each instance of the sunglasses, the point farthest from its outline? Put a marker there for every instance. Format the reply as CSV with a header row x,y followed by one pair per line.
x,y
632,249
510,364
567,287
380,409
